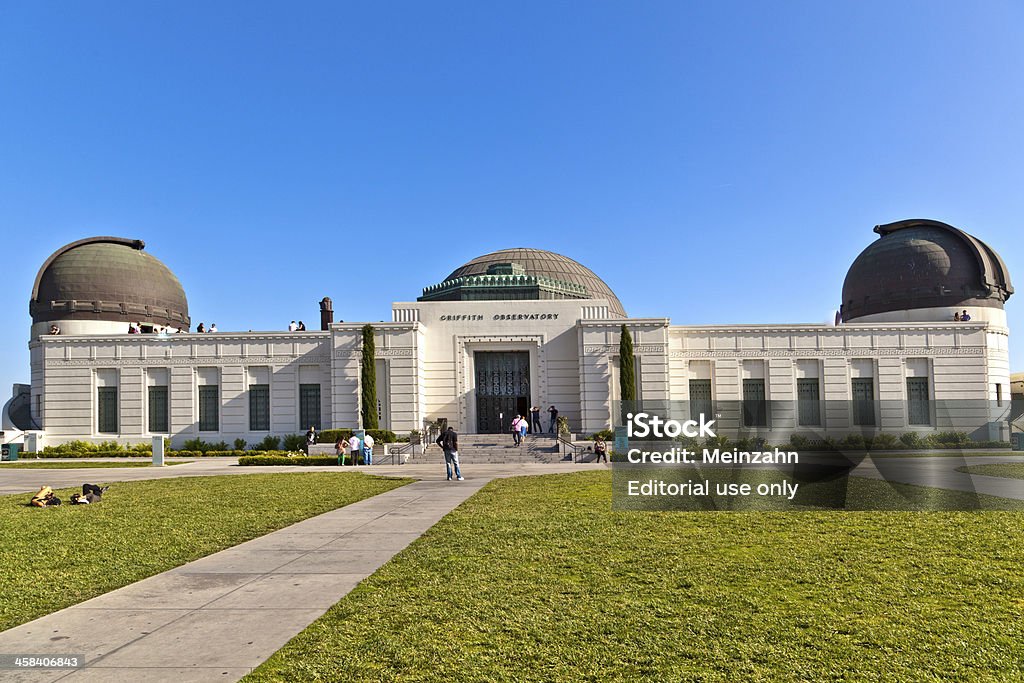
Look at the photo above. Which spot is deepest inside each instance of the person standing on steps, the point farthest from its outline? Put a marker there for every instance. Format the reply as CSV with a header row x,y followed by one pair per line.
x,y
553,427
535,425
523,428
449,443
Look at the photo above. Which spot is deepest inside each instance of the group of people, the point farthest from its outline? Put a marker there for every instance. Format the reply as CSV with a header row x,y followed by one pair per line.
x,y
137,328
961,317
202,328
521,427
296,326
356,448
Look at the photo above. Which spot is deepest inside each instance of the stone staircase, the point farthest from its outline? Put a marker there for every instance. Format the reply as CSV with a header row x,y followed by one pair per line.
x,y
496,449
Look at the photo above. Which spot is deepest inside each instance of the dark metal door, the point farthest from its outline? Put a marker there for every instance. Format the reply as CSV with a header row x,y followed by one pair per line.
x,y
502,385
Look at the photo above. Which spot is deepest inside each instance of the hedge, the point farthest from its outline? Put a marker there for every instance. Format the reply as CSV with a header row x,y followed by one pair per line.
x,y
301,460
148,456
334,435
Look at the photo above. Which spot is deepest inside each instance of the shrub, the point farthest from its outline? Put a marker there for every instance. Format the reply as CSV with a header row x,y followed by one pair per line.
x,y
197,445
885,441
606,434
382,435
269,443
798,442
911,440
294,442
949,439
719,442
334,435
854,442
307,460
240,444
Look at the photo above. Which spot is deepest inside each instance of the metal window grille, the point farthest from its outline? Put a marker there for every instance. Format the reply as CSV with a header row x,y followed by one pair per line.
x,y
755,408
209,408
259,407
700,398
158,412
309,406
107,410
918,410
863,390
808,394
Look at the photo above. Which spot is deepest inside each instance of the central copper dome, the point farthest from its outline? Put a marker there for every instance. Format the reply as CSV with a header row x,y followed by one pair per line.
x,y
523,274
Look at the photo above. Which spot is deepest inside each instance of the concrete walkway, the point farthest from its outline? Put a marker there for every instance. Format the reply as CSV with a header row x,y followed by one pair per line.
x,y
940,472
217,618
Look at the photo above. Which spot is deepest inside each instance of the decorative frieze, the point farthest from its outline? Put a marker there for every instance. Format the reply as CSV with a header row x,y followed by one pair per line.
x,y
817,353
163,362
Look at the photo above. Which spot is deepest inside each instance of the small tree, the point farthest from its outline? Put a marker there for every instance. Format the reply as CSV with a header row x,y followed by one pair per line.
x,y
369,379
627,370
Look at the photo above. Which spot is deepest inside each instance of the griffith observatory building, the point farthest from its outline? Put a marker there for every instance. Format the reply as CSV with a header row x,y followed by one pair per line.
x,y
509,330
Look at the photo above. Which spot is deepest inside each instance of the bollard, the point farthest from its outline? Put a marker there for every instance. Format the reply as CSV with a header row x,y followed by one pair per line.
x,y
158,451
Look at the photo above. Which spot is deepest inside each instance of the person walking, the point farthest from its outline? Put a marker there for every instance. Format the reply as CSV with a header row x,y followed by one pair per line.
x,y
339,449
368,449
354,448
449,443
600,450
535,425
523,429
516,438
553,427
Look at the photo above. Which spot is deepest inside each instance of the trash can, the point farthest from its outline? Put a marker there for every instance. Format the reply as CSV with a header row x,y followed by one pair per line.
x,y
10,451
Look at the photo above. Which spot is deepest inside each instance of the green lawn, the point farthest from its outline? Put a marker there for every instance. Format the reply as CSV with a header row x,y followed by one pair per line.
x,y
63,465
51,558
1012,470
537,579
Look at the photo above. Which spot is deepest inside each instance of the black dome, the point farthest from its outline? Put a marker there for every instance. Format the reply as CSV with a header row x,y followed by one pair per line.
x,y
921,263
108,278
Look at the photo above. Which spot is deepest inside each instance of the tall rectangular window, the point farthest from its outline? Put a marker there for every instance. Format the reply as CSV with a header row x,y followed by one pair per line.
x,y
999,395
309,406
106,410
700,398
755,407
863,390
808,401
209,408
259,407
918,411
158,412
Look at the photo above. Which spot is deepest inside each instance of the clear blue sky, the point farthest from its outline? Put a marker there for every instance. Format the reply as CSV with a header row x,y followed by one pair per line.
x,y
714,162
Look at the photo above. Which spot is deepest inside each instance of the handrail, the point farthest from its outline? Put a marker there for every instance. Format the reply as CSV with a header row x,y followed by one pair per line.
x,y
399,451
570,444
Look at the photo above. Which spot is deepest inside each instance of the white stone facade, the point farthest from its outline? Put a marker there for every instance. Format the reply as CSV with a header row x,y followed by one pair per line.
x,y
426,369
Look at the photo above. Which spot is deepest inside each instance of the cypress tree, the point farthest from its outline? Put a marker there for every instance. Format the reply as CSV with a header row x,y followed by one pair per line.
x,y
369,379
627,370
